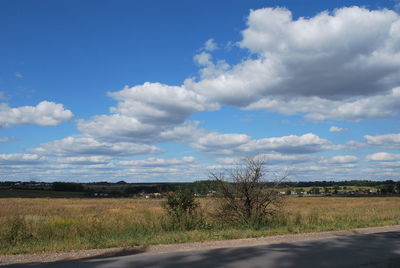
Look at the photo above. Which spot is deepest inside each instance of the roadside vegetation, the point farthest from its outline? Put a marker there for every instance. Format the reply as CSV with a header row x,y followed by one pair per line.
x,y
50,225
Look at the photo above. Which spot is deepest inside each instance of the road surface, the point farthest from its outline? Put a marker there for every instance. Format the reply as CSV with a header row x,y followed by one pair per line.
x,y
366,250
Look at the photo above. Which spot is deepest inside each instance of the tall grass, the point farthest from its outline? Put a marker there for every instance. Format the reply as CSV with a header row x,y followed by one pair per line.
x,y
49,225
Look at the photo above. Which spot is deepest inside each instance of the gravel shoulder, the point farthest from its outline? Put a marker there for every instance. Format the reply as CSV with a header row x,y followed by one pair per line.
x,y
158,249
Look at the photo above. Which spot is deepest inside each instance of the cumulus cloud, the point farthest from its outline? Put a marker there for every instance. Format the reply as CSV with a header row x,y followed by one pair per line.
x,y
383,156
357,46
351,52
80,145
210,45
121,128
316,108
210,68
159,103
203,59
390,141
336,129
44,114
346,64
151,112
216,143
220,143
117,127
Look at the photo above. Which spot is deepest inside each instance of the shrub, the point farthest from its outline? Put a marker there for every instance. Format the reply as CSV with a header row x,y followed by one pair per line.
x,y
181,202
182,210
246,196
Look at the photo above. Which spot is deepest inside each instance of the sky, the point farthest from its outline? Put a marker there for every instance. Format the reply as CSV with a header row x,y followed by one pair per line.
x,y
168,91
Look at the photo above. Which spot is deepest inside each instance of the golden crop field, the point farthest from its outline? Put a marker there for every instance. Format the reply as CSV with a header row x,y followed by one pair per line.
x,y
60,224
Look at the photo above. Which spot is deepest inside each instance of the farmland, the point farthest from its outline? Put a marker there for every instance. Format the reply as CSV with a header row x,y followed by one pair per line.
x,y
30,225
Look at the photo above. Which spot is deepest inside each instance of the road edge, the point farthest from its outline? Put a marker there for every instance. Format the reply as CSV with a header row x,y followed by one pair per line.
x,y
192,246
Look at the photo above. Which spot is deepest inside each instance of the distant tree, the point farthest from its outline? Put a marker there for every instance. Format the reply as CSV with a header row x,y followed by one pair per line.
x,y
67,187
390,188
299,191
315,190
336,189
397,187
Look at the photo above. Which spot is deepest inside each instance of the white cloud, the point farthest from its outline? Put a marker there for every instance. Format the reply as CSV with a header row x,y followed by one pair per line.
x,y
76,145
210,69
19,75
269,159
308,169
220,143
159,104
20,159
44,114
351,145
373,107
159,162
351,44
2,95
274,158
216,143
336,129
383,156
185,132
117,127
390,141
7,139
210,45
121,128
350,53
85,160
307,143
340,159
347,64
148,113
203,59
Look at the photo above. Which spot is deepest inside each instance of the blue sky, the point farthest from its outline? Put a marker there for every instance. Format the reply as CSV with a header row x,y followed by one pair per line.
x,y
169,90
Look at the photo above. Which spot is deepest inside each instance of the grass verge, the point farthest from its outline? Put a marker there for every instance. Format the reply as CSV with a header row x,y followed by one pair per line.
x,y
54,225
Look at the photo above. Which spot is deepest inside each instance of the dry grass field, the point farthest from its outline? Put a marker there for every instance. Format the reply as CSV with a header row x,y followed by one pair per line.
x,y
48,225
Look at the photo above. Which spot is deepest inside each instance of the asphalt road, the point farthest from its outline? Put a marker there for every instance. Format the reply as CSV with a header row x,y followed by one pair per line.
x,y
371,250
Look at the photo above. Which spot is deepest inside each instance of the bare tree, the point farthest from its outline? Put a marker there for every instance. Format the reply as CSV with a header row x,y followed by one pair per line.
x,y
245,194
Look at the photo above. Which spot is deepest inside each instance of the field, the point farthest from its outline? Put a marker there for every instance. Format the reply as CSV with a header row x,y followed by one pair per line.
x,y
30,225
